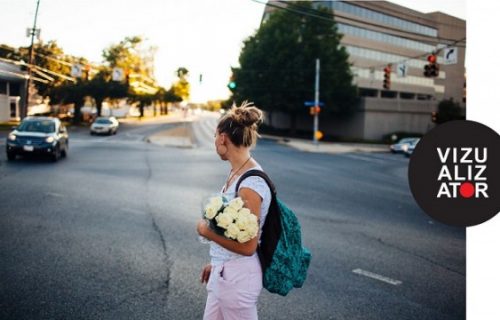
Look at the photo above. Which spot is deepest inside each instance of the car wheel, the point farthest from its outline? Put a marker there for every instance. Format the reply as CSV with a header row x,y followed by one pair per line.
x,y
56,154
64,153
11,156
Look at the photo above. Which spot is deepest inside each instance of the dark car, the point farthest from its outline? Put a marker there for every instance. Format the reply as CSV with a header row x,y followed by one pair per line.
x,y
38,136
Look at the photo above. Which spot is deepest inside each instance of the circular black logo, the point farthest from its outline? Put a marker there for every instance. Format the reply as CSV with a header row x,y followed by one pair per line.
x,y
454,173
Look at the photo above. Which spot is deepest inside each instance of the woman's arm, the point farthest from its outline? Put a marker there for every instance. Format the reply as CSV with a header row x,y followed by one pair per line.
x,y
252,201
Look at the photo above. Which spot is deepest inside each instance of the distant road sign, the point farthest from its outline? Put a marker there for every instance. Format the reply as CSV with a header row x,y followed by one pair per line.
x,y
76,70
402,70
311,103
117,74
450,55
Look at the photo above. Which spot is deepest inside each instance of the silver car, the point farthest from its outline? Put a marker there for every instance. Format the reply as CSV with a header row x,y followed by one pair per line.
x,y
104,125
409,148
401,144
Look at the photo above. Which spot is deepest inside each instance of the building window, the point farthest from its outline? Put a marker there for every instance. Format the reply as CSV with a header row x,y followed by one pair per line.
x,y
424,97
388,94
407,96
3,87
380,17
383,37
365,92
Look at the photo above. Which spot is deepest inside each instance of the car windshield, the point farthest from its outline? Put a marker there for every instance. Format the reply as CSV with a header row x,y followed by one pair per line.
x,y
103,121
407,140
44,126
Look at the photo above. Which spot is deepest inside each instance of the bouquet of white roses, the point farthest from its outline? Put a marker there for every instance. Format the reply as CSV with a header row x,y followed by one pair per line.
x,y
231,219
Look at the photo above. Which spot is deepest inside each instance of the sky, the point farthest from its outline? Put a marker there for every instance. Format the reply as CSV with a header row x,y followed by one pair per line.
x,y
205,36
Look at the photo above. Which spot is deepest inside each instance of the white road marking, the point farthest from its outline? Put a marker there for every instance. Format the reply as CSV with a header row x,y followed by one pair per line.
x,y
377,277
134,211
364,158
53,194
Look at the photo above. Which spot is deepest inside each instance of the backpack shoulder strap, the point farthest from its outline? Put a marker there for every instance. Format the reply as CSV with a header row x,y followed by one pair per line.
x,y
257,173
272,230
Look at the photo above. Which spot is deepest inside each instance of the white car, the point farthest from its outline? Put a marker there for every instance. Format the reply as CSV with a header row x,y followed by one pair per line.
x,y
400,146
104,125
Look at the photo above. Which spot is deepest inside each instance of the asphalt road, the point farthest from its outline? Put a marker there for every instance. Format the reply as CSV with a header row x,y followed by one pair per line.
x,y
109,233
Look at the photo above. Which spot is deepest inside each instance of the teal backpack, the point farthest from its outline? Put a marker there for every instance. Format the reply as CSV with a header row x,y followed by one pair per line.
x,y
283,259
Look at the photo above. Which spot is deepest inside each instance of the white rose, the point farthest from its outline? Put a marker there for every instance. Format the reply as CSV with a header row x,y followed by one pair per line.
x,y
210,212
242,221
236,203
232,231
224,220
244,211
215,203
231,211
243,236
252,228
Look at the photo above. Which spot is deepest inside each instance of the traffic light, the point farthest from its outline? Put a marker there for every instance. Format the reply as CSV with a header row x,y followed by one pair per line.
x,y
434,116
387,77
432,68
232,83
314,110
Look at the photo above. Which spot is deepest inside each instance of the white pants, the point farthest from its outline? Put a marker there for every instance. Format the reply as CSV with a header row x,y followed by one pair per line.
x,y
233,290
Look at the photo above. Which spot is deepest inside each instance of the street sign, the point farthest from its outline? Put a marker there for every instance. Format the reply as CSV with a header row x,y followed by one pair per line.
x,y
76,70
450,55
117,74
312,103
402,70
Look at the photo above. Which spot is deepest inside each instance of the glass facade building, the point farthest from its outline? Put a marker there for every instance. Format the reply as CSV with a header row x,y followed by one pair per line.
x,y
376,34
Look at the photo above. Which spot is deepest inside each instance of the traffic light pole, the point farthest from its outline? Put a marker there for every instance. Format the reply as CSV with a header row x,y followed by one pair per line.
x,y
316,103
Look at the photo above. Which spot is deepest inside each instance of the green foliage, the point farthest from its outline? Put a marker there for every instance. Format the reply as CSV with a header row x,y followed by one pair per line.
x,y
277,64
181,88
449,110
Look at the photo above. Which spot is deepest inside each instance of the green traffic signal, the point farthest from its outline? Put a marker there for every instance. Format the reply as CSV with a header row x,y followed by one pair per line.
x,y
232,85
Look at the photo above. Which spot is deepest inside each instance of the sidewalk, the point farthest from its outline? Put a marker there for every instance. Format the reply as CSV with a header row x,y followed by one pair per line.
x,y
183,137
327,147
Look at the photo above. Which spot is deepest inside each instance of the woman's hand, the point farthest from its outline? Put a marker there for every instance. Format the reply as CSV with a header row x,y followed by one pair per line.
x,y
202,228
205,273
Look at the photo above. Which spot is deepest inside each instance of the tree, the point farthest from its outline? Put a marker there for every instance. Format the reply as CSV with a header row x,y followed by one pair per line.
x,y
129,55
449,110
102,87
181,88
277,64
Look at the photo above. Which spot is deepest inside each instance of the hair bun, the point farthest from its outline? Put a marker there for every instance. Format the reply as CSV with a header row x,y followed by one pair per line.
x,y
247,114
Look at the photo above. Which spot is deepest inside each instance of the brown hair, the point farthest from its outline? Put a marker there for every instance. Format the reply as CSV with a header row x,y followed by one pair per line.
x,y
241,123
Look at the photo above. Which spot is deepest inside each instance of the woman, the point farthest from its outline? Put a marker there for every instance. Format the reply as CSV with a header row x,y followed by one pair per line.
x,y
234,275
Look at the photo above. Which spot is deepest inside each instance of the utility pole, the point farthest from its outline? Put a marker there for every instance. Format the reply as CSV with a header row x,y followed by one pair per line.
x,y
24,109
316,103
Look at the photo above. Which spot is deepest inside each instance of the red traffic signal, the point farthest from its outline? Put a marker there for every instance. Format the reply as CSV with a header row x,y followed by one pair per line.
x,y
387,77
432,58
432,68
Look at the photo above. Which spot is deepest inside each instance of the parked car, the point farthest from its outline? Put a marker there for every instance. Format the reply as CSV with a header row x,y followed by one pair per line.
x,y
398,147
410,147
38,135
104,125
